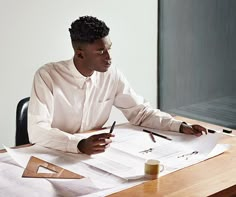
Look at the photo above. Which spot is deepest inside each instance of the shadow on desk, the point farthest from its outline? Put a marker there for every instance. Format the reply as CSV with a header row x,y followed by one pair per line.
x,y
230,192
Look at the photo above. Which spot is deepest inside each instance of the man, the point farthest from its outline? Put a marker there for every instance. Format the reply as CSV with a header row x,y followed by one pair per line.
x,y
77,95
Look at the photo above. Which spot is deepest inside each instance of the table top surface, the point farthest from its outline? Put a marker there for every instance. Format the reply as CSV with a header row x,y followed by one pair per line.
x,y
215,176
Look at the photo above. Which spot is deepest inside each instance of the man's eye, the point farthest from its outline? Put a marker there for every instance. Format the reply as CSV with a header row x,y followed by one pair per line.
x,y
100,52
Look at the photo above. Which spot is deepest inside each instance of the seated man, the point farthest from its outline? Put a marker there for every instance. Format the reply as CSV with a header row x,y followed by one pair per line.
x,y
77,95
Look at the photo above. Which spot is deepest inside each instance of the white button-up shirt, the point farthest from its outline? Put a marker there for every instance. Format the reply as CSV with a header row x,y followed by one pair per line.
x,y
64,102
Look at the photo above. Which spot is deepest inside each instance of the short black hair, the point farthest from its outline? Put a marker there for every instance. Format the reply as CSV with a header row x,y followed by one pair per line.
x,y
87,29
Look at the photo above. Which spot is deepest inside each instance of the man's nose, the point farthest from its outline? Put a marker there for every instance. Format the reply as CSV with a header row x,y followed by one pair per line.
x,y
108,55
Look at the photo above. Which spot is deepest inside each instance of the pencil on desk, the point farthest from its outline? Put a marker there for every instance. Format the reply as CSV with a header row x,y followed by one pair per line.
x,y
152,137
159,135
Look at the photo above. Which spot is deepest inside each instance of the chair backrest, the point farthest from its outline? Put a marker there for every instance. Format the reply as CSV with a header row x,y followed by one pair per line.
x,y
21,122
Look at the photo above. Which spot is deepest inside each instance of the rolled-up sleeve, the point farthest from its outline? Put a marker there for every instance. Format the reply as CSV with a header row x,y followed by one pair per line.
x,y
139,112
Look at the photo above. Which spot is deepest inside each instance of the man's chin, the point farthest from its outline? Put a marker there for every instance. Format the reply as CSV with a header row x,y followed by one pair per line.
x,y
106,67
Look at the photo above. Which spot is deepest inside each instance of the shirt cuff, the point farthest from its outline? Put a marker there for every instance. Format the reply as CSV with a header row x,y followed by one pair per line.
x,y
175,125
72,144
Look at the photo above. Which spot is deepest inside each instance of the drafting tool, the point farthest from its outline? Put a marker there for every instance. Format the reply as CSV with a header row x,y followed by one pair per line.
x,y
31,170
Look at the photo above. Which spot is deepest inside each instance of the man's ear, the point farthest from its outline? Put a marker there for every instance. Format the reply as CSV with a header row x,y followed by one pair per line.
x,y
80,53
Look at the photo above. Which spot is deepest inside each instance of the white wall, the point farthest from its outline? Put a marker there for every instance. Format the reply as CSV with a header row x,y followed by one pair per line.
x,y
35,32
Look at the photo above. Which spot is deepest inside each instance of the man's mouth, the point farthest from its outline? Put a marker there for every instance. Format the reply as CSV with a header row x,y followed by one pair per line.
x,y
108,63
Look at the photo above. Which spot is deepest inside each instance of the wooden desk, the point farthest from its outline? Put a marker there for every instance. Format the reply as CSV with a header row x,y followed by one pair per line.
x,y
214,177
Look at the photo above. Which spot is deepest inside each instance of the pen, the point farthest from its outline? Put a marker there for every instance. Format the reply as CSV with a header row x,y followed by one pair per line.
x,y
159,135
112,127
152,137
211,131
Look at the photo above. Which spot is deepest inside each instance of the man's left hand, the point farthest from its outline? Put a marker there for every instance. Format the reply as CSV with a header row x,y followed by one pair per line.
x,y
196,130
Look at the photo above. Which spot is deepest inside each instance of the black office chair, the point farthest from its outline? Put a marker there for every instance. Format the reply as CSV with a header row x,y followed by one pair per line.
x,y
21,122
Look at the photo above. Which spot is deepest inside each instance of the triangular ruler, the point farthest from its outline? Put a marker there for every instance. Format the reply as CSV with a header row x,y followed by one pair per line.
x,y
31,170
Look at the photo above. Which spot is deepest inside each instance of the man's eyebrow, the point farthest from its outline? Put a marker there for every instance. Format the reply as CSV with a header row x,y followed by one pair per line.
x,y
99,49
109,46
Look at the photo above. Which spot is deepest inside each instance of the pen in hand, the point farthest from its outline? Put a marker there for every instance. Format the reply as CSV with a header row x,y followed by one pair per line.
x,y
112,127
111,135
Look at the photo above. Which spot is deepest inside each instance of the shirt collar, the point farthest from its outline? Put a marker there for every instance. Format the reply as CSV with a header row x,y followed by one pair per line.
x,y
79,77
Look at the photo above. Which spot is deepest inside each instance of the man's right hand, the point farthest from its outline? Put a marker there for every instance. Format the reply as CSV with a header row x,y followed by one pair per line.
x,y
95,143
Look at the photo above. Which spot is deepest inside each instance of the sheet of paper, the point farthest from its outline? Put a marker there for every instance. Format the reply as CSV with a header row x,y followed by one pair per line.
x,y
131,147
40,187
104,183
68,161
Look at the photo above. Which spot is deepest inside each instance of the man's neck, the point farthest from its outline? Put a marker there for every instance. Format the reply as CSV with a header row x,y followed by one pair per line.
x,y
81,69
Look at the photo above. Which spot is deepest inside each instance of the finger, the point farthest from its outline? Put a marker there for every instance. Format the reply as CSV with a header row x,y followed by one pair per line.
x,y
101,141
103,136
99,147
98,141
108,145
199,128
108,141
188,130
96,150
193,130
197,133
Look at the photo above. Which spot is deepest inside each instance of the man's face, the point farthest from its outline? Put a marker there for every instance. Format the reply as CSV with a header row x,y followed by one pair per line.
x,y
96,56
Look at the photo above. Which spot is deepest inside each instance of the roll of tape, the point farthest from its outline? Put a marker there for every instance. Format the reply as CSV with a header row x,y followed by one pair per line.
x,y
152,168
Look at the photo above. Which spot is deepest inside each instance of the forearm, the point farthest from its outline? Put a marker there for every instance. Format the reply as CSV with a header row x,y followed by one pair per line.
x,y
139,112
145,116
53,138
